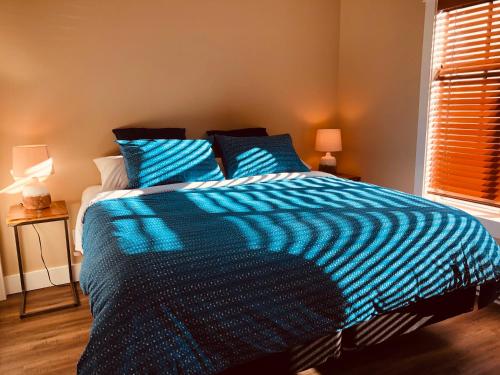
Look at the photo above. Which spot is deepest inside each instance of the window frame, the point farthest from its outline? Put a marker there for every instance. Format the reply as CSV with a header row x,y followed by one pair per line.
x,y
489,216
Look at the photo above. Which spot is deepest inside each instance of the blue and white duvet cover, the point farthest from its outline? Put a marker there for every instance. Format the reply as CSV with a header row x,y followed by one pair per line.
x,y
194,281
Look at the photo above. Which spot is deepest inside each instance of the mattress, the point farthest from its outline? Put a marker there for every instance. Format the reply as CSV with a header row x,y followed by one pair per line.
x,y
200,278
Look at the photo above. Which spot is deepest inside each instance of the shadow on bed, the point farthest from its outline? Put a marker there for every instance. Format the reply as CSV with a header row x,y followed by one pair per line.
x,y
209,279
213,294
262,298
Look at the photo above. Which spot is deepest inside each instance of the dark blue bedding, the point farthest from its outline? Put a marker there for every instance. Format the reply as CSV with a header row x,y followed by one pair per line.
x,y
197,281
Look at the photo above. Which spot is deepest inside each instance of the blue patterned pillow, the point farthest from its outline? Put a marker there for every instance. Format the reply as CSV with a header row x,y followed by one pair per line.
x,y
167,161
252,156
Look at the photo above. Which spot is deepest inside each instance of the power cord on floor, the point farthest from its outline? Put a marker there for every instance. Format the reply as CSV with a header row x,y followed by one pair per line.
x,y
41,256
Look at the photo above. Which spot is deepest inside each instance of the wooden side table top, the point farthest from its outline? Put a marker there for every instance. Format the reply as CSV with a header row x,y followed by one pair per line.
x,y
18,215
348,176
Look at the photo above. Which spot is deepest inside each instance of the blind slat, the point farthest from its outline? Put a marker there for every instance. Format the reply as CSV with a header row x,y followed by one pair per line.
x,y
466,107
464,151
456,4
450,158
443,24
469,67
450,155
459,102
476,64
459,77
453,52
475,28
466,125
468,132
488,140
483,190
464,197
474,172
465,82
481,38
468,88
466,120
469,58
467,22
465,183
480,114
443,95
485,193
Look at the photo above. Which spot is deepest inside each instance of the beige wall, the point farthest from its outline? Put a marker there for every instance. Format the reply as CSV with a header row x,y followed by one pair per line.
x,y
379,76
70,71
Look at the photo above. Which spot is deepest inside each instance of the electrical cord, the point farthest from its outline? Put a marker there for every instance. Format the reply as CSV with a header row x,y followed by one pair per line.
x,y
41,256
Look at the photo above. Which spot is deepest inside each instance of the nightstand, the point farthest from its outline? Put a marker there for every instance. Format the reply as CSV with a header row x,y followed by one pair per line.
x,y
347,176
19,216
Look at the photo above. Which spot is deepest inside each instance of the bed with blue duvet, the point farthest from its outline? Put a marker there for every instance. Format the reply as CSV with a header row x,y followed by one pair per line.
x,y
199,278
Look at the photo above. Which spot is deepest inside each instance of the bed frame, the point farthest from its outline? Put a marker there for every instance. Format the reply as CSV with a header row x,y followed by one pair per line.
x,y
372,332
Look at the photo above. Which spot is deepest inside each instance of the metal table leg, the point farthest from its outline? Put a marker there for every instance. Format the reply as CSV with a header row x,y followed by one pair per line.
x,y
22,309
76,300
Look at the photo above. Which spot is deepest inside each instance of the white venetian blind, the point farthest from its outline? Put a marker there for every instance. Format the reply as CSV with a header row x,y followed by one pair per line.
x,y
463,150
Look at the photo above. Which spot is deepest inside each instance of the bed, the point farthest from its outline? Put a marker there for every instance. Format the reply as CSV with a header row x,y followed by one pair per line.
x,y
202,278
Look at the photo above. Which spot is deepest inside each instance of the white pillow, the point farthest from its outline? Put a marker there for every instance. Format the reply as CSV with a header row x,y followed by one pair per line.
x,y
113,173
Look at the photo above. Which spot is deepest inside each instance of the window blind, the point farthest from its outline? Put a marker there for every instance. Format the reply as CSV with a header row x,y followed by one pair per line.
x,y
455,4
463,147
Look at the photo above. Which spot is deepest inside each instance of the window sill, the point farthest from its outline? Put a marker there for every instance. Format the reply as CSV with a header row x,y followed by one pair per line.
x,y
488,216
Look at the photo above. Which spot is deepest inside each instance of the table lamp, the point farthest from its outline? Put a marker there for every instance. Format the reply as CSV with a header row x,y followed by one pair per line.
x,y
328,140
32,163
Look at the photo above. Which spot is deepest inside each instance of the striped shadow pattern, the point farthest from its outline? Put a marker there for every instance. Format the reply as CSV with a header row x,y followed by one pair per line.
x,y
383,327
403,321
315,353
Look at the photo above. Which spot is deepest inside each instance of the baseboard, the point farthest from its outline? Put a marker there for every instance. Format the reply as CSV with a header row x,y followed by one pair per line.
x,y
38,279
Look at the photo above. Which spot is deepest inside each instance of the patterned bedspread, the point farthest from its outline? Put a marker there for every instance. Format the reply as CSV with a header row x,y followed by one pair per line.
x,y
197,281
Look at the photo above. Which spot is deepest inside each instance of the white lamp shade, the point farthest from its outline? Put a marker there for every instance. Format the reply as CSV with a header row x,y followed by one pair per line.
x,y
31,161
328,140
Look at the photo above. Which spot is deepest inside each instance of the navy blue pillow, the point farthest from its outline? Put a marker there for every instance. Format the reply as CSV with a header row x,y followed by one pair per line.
x,y
167,161
149,133
245,132
252,156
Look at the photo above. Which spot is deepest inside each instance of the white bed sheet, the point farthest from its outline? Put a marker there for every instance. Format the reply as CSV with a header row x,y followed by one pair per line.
x,y
87,196
94,194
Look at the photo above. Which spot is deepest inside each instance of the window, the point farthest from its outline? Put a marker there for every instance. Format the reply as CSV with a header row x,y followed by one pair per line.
x,y
463,138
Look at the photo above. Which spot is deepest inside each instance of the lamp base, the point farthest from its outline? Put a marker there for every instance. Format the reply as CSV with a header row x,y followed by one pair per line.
x,y
36,195
328,164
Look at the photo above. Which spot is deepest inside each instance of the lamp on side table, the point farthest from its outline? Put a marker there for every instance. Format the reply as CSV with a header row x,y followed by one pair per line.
x,y
328,140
